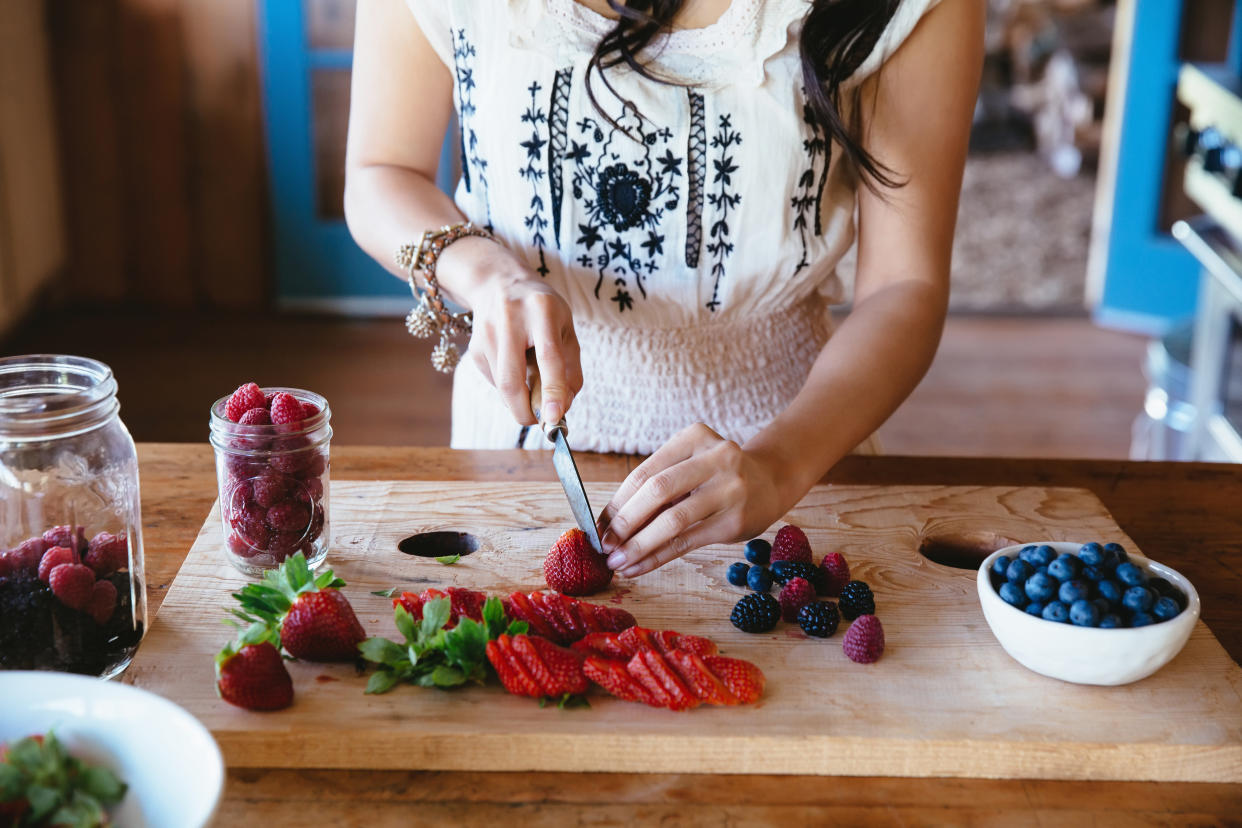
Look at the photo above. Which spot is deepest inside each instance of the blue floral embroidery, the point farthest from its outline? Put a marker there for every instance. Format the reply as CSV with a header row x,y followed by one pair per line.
x,y
535,221
464,54
625,186
724,200
807,197
696,165
558,137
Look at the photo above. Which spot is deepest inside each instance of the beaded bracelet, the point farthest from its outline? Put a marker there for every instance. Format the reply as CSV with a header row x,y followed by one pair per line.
x,y
429,316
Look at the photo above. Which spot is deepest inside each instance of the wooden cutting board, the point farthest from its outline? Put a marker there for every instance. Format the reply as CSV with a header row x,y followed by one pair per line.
x,y
945,699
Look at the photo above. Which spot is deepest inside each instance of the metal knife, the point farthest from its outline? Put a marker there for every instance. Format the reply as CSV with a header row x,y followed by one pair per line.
x,y
563,458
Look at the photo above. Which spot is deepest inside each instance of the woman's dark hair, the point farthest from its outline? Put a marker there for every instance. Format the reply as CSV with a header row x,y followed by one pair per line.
x,y
837,36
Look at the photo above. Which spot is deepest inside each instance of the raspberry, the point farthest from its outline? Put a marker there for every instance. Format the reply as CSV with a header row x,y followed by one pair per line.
x,y
53,558
836,573
286,410
314,488
73,584
241,546
309,409
289,516
102,602
107,553
856,599
864,640
791,545
284,544
256,417
26,557
66,536
756,613
242,400
794,596
267,400
269,489
313,466
819,619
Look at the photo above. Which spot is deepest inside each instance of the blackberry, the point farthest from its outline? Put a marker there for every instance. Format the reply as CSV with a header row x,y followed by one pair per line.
x,y
756,613
819,619
856,599
785,571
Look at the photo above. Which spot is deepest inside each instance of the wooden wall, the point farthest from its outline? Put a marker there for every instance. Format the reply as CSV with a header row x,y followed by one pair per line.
x,y
163,156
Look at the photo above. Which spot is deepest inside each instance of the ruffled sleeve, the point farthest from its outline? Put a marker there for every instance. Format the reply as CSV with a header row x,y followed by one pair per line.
x,y
434,18
907,16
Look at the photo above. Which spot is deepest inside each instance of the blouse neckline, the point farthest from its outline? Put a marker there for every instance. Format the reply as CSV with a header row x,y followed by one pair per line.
x,y
734,23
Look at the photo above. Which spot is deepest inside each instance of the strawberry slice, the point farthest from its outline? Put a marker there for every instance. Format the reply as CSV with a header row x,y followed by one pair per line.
x,y
553,609
519,607
562,619
512,672
555,669
463,603
706,685
612,675
654,672
696,644
744,680
603,645
640,638
599,618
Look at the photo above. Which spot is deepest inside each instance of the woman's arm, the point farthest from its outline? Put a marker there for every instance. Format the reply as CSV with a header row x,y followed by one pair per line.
x,y
699,488
401,99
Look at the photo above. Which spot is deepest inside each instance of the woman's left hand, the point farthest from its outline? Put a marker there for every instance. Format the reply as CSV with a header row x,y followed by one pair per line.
x,y
697,489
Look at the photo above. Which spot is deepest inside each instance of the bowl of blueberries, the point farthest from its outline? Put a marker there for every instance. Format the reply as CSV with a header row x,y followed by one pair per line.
x,y
1089,613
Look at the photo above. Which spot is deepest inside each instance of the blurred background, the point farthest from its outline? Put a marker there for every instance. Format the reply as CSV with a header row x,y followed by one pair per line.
x,y
171,176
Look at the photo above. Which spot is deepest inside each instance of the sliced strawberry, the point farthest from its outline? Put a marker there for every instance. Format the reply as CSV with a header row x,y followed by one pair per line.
x,y
639,638
696,644
744,680
551,606
605,619
604,645
705,684
513,674
519,607
612,675
556,670
654,672
463,603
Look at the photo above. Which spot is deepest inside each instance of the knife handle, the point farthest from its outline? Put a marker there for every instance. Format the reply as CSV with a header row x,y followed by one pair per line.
x,y
536,397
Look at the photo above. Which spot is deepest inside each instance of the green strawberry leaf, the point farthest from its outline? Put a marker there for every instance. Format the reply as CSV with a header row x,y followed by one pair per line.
x,y
43,801
412,655
435,616
102,784
570,701
448,560
382,682
493,616
518,628
82,811
12,782
382,651
405,622
447,677
385,593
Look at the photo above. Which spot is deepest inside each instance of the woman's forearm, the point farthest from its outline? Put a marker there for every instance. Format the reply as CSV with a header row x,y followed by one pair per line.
x,y
869,366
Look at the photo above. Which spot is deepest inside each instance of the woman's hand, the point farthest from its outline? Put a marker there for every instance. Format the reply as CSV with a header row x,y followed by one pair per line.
x,y
514,310
698,488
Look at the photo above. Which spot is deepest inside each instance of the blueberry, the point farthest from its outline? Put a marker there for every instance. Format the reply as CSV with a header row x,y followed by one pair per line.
x,y
1138,599
1025,554
1141,619
1091,554
1012,594
1093,573
738,572
758,551
1034,608
1178,596
1118,551
1130,575
1109,590
1160,585
1083,613
1042,569
1110,620
758,579
1055,611
1041,587
1072,591
1064,568
1165,608
1043,555
1018,571
1000,565
1104,605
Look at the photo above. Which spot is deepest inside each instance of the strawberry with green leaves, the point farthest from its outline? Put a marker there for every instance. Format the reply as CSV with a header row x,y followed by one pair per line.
x,y
315,619
250,672
41,784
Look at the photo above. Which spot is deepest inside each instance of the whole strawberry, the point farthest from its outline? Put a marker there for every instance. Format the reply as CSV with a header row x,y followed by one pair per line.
x,y
791,545
315,620
795,595
836,573
864,640
572,567
242,400
253,676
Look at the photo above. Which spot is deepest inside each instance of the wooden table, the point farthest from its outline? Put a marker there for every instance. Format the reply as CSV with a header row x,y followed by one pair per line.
x,y
1188,515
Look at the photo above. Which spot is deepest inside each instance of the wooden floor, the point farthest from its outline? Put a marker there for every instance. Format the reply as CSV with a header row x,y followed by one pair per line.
x,y
1000,386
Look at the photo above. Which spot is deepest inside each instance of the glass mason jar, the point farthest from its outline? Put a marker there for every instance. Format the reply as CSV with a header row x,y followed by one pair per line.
x,y
72,588
273,485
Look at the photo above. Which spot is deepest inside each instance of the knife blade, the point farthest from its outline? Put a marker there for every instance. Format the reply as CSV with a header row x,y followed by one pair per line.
x,y
563,458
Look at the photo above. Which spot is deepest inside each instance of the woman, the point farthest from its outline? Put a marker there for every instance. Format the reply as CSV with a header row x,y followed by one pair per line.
x,y
665,189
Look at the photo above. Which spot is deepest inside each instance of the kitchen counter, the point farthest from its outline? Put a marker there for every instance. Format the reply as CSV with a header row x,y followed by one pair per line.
x,y
1186,515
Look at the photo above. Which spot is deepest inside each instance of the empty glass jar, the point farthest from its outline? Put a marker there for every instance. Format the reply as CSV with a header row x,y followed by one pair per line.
x,y
72,592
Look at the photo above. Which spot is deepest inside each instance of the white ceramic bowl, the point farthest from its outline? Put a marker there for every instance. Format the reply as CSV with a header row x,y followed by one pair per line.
x,y
169,760
1087,655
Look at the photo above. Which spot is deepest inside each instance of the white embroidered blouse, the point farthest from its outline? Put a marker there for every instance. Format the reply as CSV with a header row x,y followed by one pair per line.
x,y
697,252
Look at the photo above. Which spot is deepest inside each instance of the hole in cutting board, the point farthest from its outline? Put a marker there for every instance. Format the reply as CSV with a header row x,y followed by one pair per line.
x,y
961,551
438,544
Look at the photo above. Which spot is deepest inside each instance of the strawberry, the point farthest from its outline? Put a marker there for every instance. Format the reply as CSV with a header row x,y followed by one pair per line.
x,y
562,619
102,603
706,685
73,584
253,676
465,603
572,567
315,619
836,573
612,675
625,644
532,666
653,672
242,400
286,410
53,558
744,680
107,553
603,645
791,545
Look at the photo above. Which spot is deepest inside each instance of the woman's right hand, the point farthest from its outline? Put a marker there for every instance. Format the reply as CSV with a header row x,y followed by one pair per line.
x,y
514,311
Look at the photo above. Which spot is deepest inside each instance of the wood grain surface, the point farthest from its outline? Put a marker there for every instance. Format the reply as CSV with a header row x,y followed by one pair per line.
x,y
941,702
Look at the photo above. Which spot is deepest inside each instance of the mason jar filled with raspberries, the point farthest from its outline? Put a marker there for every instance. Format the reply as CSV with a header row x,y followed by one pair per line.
x,y
72,593
272,469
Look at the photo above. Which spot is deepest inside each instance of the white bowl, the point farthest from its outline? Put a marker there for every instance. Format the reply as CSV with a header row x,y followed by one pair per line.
x,y
169,760
1087,655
